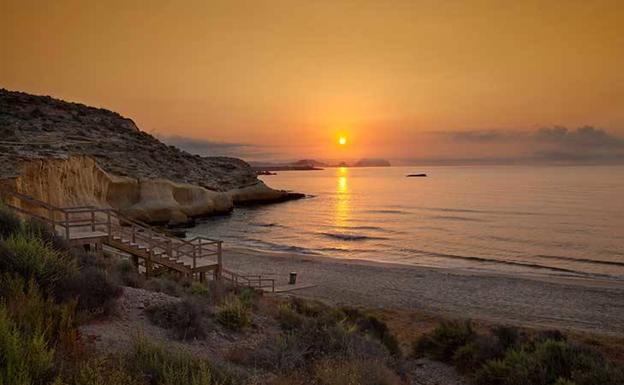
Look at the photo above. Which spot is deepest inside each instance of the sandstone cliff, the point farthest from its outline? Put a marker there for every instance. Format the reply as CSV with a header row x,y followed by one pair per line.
x,y
71,154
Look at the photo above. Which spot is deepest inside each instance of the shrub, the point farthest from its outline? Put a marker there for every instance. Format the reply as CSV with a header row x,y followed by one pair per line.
x,y
10,224
549,361
34,314
233,314
171,367
31,259
199,289
36,228
476,352
95,290
445,339
374,327
248,297
184,319
165,285
309,308
26,359
330,372
288,318
128,275
100,371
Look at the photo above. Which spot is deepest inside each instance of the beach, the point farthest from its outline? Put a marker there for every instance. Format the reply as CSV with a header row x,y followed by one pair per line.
x,y
573,304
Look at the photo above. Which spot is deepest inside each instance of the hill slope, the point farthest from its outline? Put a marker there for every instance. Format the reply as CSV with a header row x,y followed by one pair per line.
x,y
69,153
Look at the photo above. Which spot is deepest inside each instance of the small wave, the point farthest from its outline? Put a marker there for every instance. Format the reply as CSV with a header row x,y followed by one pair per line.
x,y
369,228
386,212
351,237
282,247
456,218
262,224
503,262
584,260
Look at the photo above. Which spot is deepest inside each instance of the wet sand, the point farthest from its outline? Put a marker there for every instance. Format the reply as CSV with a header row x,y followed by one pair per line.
x,y
574,304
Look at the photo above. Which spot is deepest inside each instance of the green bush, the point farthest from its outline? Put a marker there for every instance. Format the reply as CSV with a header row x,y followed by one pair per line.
x,y
30,258
374,327
199,289
233,314
25,358
547,362
171,367
331,372
127,274
288,318
100,371
248,297
95,290
444,341
36,228
9,223
34,313
184,318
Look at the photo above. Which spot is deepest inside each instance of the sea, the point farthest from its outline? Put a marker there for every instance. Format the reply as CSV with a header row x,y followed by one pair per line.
x,y
520,220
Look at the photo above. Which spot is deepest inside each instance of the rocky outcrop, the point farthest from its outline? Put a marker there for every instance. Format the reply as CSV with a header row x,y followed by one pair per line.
x,y
70,154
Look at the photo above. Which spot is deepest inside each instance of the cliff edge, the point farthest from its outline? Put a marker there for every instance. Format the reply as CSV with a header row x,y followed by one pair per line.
x,y
71,154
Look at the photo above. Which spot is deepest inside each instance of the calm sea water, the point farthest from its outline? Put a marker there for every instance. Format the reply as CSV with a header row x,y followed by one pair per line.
x,y
512,219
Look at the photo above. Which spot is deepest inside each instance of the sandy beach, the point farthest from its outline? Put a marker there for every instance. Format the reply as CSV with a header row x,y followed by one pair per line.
x,y
573,304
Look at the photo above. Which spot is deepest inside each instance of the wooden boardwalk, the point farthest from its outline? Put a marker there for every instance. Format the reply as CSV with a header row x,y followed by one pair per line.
x,y
154,249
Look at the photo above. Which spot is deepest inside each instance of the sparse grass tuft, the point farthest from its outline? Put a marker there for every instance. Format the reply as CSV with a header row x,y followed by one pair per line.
x,y
233,314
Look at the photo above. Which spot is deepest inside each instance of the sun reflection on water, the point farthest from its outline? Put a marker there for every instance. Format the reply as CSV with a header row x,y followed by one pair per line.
x,y
342,211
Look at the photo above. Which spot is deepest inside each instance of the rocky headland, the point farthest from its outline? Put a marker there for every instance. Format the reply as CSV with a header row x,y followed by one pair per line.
x,y
70,154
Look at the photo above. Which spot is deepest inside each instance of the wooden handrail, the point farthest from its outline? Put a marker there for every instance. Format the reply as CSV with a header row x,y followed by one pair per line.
x,y
115,223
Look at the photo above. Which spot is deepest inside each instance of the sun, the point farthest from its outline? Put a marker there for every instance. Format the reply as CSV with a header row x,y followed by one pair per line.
x,y
342,141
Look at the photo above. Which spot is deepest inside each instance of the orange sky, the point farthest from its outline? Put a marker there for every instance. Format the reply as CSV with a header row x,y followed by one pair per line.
x,y
288,76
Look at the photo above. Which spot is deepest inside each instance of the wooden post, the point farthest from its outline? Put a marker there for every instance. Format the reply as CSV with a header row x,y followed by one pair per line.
x,y
219,259
109,229
202,276
92,220
67,226
148,265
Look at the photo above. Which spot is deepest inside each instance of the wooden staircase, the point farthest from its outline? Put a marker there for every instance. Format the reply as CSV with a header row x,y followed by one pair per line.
x,y
155,249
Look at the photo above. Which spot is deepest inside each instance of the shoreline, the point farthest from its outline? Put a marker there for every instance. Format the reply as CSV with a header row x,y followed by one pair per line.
x,y
568,303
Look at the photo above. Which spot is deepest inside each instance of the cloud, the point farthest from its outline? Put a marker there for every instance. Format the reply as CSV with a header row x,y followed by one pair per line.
x,y
213,148
585,144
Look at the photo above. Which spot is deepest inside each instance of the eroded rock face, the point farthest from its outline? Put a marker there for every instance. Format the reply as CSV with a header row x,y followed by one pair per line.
x,y
69,154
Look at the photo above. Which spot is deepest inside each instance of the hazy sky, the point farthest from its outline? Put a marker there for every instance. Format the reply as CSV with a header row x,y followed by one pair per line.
x,y
271,79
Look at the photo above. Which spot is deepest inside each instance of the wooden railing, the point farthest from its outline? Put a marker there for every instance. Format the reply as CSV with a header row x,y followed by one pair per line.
x,y
253,281
67,221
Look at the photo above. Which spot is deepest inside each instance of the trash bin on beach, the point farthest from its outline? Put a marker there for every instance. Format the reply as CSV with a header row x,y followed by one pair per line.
x,y
293,278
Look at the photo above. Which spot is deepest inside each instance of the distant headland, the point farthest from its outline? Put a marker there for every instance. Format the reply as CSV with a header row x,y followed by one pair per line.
x,y
312,164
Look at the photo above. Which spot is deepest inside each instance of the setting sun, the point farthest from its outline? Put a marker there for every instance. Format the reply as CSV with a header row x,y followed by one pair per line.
x,y
342,141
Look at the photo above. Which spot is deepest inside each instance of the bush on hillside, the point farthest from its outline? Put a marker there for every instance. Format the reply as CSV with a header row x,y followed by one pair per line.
x,y
444,341
127,275
31,259
374,327
36,228
95,291
26,359
186,319
168,367
9,222
331,372
233,315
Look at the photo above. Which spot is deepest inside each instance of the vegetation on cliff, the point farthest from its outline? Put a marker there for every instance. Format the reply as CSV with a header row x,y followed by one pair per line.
x,y
34,127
